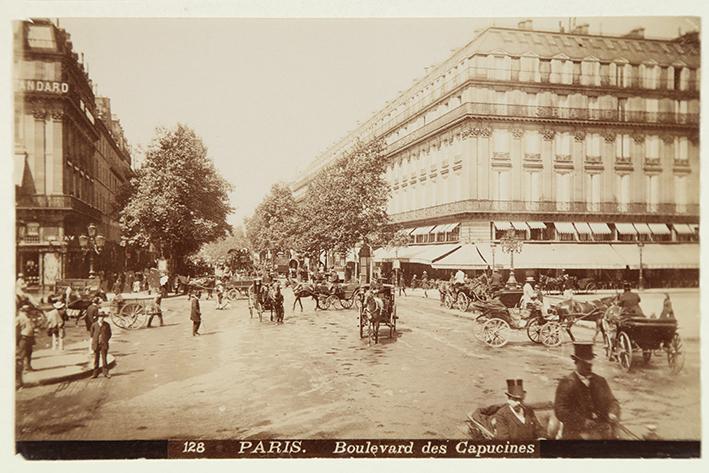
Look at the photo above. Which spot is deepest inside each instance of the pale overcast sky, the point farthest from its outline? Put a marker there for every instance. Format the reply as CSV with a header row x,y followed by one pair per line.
x,y
268,95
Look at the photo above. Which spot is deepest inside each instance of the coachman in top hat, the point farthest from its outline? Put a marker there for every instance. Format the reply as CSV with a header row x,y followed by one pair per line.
x,y
584,401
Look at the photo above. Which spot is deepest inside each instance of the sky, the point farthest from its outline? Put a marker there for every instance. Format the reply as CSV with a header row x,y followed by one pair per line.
x,y
268,95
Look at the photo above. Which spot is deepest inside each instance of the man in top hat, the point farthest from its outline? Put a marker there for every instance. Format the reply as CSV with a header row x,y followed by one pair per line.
x,y
100,335
516,421
92,313
630,302
584,402
195,313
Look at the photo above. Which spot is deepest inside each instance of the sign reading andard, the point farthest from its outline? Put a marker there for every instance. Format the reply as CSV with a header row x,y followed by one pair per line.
x,y
46,86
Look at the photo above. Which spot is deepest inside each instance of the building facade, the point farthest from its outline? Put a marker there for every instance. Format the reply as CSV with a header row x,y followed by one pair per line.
x,y
561,138
71,159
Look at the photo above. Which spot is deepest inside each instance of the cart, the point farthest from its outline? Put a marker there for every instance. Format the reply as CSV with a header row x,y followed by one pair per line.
x,y
131,312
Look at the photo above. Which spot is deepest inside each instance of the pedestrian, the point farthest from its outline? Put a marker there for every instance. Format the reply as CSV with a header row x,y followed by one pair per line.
x,y
527,291
401,282
516,421
25,329
20,285
219,289
424,283
156,310
100,335
55,325
136,283
584,402
195,313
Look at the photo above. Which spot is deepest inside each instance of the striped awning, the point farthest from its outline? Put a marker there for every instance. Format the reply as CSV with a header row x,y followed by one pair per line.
x,y
582,227
519,226
430,253
626,229
659,229
503,225
537,225
683,229
423,230
565,227
466,257
599,229
642,228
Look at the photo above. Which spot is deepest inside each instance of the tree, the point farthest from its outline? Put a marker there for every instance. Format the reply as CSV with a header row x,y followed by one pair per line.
x,y
218,250
179,201
346,202
273,224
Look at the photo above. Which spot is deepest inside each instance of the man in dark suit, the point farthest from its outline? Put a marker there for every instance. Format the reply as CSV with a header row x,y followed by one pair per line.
x,y
92,313
516,420
195,313
584,402
100,335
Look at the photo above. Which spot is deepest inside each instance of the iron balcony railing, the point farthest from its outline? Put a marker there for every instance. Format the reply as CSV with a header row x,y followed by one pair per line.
x,y
55,202
497,206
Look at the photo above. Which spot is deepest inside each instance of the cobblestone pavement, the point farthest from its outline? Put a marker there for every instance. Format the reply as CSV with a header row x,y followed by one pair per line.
x,y
313,377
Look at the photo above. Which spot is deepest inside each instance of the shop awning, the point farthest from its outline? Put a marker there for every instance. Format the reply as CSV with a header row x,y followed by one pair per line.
x,y
685,255
565,227
423,230
537,225
406,231
588,256
503,225
626,229
582,227
447,228
519,225
466,257
437,229
659,229
384,254
683,229
642,228
427,254
628,254
599,229
560,256
665,255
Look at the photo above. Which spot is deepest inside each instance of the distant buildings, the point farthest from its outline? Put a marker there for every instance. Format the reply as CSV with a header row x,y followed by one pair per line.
x,y
582,145
71,159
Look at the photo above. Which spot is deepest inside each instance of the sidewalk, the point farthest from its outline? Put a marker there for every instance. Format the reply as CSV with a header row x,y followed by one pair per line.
x,y
53,366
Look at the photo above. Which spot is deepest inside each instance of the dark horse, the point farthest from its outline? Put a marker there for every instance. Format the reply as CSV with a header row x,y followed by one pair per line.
x,y
301,290
277,303
570,311
375,312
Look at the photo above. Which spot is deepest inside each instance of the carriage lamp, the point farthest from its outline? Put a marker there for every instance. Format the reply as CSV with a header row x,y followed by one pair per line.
x,y
93,243
92,230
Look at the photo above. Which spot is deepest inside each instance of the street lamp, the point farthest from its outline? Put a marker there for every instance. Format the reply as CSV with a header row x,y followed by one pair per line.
x,y
93,243
641,281
510,244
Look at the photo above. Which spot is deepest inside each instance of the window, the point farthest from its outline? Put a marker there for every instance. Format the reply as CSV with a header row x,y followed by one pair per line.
x,y
501,101
501,143
41,37
532,144
563,191
593,145
652,192
680,193
682,148
684,79
593,192
593,108
502,68
533,190
529,69
563,145
652,106
652,147
622,146
502,186
623,192
590,73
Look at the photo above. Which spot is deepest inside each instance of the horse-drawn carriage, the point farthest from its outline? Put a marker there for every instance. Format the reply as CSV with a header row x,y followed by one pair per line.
x,y
377,305
625,336
495,320
556,285
237,288
131,312
78,294
344,295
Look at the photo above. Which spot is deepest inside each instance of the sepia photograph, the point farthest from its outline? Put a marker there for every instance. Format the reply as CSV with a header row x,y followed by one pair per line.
x,y
333,237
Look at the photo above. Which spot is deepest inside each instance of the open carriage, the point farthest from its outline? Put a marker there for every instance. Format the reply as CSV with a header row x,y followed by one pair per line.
x,y
631,335
377,306
345,296
495,321
131,312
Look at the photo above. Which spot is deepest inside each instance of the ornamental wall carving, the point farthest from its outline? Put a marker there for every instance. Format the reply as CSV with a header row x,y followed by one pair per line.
x,y
579,136
609,137
639,138
517,132
668,139
548,134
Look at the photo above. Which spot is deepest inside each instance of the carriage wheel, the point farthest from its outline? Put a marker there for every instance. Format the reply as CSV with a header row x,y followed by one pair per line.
x,y
462,302
550,334
348,303
478,327
119,321
323,302
448,301
534,327
591,287
232,294
625,351
647,356
133,314
334,301
496,333
355,299
675,355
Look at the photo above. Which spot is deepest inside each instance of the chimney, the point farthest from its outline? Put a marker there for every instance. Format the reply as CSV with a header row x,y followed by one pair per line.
x,y
581,29
525,25
637,33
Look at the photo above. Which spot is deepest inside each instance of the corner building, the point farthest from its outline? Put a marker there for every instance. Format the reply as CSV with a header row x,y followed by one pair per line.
x,y
71,159
586,146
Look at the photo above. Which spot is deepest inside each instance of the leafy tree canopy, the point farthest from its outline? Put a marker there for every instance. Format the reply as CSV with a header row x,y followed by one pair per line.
x,y
273,224
179,201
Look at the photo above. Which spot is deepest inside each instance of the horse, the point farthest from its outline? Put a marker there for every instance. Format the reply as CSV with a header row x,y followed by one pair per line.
x,y
570,309
374,310
277,303
304,290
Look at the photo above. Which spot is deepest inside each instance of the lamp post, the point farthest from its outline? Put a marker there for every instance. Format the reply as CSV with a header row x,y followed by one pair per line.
x,y
93,243
510,244
641,281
